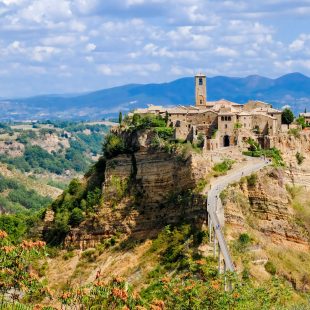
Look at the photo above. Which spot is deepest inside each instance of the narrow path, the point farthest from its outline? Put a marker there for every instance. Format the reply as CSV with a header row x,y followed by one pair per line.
x,y
213,196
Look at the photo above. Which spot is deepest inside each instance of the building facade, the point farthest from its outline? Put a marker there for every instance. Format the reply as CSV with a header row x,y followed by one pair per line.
x,y
222,123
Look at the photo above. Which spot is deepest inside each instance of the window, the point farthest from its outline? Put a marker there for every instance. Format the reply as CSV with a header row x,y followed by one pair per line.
x,y
200,81
229,118
200,102
225,125
222,118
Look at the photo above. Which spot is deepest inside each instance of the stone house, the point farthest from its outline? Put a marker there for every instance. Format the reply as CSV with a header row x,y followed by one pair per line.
x,y
222,123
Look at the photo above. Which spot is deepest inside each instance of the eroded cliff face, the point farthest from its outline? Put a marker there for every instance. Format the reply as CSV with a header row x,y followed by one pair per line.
x,y
290,145
144,191
264,204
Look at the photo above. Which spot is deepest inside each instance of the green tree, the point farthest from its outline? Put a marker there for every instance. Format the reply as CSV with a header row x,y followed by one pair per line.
x,y
287,116
120,117
76,217
166,117
301,121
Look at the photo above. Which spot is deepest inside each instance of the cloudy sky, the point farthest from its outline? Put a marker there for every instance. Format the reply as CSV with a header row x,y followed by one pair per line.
x,y
69,46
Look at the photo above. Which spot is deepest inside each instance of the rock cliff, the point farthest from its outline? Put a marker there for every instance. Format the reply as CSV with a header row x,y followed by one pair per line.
x,y
144,191
263,202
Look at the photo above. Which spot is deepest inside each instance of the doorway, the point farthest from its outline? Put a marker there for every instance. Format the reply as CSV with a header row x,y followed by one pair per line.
x,y
226,141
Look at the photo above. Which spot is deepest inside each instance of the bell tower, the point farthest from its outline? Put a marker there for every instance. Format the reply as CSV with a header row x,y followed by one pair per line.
x,y
201,90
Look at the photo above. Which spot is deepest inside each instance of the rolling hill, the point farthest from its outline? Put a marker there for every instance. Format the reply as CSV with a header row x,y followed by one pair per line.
x,y
292,89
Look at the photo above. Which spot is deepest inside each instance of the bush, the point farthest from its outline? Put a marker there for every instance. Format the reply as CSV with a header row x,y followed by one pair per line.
x,y
295,132
113,145
76,217
300,158
271,268
223,167
252,179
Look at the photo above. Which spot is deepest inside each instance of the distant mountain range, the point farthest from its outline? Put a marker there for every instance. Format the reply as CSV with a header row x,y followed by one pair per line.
x,y
291,89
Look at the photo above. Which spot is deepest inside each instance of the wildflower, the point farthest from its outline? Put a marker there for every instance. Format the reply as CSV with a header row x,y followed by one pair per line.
x,y
119,280
158,305
200,262
116,292
236,295
8,249
165,280
215,285
3,234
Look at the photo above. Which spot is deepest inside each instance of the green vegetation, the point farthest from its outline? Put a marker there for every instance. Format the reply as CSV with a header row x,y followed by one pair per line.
x,y
252,179
237,125
300,158
17,278
77,201
271,268
222,167
295,132
287,116
256,151
18,197
113,145
302,122
85,141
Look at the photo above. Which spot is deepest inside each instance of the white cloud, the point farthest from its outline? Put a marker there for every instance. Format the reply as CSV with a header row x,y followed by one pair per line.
x,y
42,53
225,51
90,47
105,42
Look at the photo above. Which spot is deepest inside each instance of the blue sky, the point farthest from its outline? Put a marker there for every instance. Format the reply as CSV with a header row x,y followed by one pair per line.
x,y
69,46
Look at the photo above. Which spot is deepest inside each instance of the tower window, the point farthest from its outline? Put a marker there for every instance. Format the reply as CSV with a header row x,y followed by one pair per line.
x,y
200,102
200,81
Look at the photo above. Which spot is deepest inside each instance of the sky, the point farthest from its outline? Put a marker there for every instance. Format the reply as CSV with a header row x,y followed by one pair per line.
x,y
73,46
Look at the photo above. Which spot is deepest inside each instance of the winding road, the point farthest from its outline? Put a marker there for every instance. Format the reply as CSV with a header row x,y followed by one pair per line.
x,y
213,200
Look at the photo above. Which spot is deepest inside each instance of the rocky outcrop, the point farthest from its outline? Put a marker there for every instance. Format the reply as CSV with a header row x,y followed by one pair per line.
x,y
264,204
290,145
144,191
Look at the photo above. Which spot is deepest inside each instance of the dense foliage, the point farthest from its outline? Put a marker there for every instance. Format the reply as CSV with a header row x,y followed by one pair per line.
x,y
287,116
18,197
85,141
18,281
274,154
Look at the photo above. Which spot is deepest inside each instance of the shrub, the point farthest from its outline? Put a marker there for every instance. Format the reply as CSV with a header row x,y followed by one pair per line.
x,y
271,268
223,167
113,145
244,239
76,217
300,158
294,132
68,255
252,179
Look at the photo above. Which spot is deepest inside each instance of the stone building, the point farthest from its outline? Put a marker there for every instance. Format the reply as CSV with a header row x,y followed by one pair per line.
x,y
222,123
306,116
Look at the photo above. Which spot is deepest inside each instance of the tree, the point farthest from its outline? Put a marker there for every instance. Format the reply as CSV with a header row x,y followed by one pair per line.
x,y
287,116
301,121
120,117
166,117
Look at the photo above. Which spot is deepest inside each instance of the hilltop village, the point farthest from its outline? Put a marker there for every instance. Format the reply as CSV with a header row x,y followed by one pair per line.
x,y
222,123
